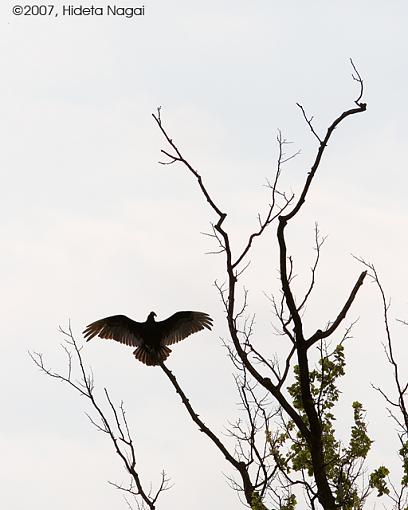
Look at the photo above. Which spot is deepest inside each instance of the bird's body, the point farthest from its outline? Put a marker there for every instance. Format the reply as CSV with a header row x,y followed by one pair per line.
x,y
151,338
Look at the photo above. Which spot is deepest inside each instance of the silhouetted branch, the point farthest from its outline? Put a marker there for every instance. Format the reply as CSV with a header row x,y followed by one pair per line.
x,y
238,465
318,245
117,429
270,217
309,122
401,387
319,335
398,410
356,77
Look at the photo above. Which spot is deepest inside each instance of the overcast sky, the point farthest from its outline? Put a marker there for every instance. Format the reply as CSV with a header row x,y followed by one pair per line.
x,y
91,225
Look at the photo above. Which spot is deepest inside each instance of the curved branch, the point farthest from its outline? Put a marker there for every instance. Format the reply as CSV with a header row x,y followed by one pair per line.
x,y
239,466
319,335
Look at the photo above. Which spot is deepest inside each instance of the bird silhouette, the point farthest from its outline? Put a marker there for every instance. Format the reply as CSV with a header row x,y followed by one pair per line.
x,y
151,338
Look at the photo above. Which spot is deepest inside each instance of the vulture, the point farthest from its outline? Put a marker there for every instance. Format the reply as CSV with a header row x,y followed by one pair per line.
x,y
150,338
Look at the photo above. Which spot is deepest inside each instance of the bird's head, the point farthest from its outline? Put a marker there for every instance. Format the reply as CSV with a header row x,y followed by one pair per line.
x,y
151,316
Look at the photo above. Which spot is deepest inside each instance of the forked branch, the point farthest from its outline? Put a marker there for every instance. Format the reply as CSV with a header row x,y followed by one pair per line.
x,y
116,428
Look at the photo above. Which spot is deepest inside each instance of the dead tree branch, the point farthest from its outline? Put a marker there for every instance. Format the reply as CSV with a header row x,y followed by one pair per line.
x,y
400,386
241,467
116,428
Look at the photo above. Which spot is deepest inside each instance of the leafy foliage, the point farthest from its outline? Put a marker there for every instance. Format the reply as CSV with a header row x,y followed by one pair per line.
x,y
343,462
378,480
404,456
290,503
256,503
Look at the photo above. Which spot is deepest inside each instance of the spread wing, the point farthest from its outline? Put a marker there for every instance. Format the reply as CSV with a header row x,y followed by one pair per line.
x,y
182,324
118,327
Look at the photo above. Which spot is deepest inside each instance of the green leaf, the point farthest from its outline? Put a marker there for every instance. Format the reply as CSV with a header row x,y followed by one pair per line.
x,y
378,480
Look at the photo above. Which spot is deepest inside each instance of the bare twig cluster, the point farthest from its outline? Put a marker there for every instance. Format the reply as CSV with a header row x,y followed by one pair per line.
x,y
115,426
396,403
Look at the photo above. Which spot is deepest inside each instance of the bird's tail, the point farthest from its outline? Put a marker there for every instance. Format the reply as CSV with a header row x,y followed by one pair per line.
x,y
152,357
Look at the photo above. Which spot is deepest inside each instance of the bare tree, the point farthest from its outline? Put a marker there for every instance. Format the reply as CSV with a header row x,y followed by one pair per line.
x,y
285,441
306,415
396,406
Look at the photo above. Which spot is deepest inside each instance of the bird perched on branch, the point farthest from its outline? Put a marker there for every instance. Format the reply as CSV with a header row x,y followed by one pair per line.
x,y
151,338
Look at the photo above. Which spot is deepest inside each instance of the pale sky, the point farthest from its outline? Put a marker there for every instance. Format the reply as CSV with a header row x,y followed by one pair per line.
x,y
91,224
